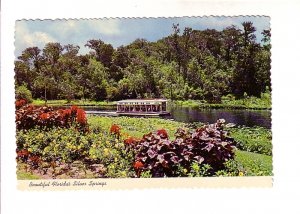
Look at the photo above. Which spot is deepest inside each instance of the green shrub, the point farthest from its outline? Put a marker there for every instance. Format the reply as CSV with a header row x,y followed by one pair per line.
x,y
255,139
23,93
232,168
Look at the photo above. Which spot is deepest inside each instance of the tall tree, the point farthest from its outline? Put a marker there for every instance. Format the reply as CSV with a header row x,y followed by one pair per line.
x,y
197,64
246,70
102,52
185,53
231,37
50,70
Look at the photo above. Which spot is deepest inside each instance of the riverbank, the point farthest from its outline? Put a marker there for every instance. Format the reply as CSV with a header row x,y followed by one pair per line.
x,y
39,102
227,102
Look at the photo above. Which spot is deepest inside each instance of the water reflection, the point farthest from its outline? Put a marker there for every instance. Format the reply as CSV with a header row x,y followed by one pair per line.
x,y
240,117
188,114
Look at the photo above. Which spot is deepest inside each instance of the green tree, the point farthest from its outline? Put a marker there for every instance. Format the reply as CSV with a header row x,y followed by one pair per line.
x,y
197,64
23,93
101,51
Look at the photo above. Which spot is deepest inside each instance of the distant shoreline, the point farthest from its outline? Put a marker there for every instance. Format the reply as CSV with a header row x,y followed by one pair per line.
x,y
188,103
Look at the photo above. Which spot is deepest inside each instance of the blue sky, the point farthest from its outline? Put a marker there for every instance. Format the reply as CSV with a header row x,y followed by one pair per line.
x,y
29,33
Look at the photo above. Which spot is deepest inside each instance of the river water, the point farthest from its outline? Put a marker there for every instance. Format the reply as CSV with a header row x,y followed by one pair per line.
x,y
241,117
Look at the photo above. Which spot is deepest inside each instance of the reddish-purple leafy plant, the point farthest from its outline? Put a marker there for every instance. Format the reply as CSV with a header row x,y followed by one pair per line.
x,y
25,156
29,116
80,117
206,145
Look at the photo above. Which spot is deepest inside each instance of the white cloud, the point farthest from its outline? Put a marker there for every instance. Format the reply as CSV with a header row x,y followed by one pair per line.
x,y
24,38
38,33
64,28
116,31
105,26
38,38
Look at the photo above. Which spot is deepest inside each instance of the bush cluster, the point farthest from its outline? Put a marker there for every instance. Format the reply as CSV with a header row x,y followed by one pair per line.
x,y
29,116
23,93
208,145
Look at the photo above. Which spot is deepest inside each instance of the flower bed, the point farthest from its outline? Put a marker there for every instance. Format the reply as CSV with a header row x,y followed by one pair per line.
x,y
29,116
63,152
62,144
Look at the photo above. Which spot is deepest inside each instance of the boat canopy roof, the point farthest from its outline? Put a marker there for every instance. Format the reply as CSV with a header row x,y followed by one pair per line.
x,y
142,101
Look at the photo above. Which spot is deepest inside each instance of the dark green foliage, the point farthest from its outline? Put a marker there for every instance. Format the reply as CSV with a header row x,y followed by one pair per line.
x,y
188,64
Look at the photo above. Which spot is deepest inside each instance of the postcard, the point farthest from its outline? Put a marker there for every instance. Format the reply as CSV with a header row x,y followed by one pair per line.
x,y
143,102
169,106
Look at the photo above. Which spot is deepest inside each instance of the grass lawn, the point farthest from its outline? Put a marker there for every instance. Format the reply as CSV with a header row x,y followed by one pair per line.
x,y
135,127
254,139
22,175
255,164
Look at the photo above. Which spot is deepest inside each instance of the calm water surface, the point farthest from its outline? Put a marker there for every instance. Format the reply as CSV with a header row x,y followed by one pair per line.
x,y
240,117
188,114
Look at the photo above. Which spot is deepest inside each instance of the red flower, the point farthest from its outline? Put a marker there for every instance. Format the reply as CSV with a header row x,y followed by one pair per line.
x,y
162,133
129,140
81,118
74,109
34,160
138,164
66,113
147,137
30,107
20,103
115,129
44,116
23,154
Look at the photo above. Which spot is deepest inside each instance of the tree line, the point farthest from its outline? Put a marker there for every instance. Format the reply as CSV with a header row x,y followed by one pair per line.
x,y
187,64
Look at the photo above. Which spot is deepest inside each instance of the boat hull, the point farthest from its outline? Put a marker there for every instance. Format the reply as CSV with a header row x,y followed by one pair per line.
x,y
133,114
144,114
